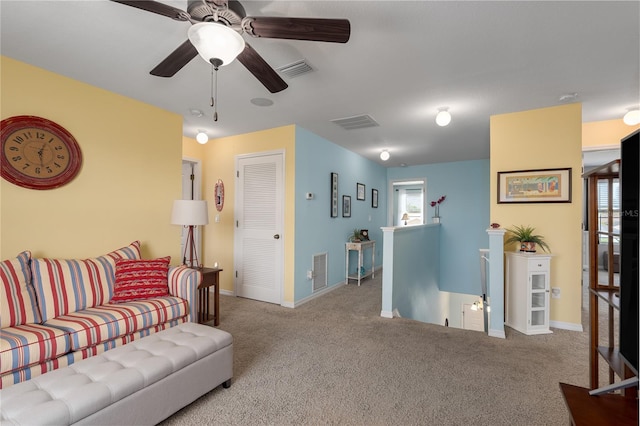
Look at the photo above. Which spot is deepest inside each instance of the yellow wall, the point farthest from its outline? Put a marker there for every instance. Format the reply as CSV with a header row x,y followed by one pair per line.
x,y
219,162
192,149
129,178
544,139
604,134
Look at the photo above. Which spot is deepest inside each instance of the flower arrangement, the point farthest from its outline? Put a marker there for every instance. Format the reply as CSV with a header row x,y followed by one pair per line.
x,y
437,203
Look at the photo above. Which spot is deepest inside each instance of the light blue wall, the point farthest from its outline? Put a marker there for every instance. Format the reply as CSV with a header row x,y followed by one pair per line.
x,y
416,259
317,232
464,217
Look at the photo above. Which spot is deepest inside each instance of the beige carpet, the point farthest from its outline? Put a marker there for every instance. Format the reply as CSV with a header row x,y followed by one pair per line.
x,y
334,360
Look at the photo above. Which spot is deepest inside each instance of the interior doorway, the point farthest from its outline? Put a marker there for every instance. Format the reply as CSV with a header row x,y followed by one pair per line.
x,y
408,196
592,158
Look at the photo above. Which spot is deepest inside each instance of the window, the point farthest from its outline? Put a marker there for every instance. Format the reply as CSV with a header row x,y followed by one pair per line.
x,y
408,197
604,187
411,202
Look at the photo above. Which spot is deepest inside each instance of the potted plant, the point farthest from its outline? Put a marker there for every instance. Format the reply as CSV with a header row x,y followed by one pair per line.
x,y
436,204
354,237
524,235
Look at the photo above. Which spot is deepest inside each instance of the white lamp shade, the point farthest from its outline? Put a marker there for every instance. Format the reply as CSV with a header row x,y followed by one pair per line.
x,y
218,41
632,117
443,118
190,212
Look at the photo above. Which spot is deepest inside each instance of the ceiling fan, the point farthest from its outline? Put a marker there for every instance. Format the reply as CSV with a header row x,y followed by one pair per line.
x,y
231,14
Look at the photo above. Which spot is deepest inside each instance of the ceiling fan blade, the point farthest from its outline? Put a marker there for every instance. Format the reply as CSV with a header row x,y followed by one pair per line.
x,y
156,7
313,29
176,60
261,70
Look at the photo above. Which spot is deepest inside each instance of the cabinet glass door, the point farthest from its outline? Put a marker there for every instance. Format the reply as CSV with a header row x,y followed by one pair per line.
x,y
538,299
538,282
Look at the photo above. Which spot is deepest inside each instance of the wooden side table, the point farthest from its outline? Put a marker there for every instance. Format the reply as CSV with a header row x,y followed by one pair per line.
x,y
210,278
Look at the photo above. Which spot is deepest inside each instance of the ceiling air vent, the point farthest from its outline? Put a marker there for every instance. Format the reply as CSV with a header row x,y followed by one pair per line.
x,y
295,69
356,122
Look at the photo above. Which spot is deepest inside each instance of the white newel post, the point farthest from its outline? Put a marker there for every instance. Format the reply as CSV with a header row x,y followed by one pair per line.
x,y
496,282
387,272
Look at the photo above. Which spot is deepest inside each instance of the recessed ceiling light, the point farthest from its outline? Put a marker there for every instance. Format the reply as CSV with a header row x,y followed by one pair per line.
x,y
262,102
196,112
384,155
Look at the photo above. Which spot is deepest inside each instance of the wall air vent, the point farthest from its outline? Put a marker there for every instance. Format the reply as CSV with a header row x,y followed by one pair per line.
x,y
356,122
295,69
319,271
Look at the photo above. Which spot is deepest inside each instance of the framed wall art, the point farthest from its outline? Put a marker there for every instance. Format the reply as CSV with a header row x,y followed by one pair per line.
x,y
535,186
334,194
346,206
374,198
360,191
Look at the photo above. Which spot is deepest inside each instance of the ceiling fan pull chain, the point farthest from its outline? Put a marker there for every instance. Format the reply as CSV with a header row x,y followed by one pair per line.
x,y
215,108
213,100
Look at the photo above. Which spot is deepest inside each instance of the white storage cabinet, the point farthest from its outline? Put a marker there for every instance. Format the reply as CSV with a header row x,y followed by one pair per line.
x,y
527,292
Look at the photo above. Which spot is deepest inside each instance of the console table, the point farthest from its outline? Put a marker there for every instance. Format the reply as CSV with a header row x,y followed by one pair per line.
x,y
360,247
210,278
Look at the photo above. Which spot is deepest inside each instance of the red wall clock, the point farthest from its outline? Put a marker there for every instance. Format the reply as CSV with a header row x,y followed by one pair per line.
x,y
38,153
219,195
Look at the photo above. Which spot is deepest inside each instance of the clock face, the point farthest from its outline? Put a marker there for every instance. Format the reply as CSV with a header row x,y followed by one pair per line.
x,y
38,153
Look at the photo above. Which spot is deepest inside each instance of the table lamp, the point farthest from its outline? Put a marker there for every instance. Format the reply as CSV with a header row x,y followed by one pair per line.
x,y
190,213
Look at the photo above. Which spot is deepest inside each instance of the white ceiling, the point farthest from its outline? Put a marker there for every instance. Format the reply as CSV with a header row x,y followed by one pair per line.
x,y
405,59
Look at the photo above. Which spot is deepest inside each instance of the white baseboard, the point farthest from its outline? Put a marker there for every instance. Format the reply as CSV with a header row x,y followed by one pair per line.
x,y
293,304
566,326
311,297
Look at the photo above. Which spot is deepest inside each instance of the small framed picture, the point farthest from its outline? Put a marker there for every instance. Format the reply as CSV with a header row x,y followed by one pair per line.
x,y
360,190
374,198
334,195
346,206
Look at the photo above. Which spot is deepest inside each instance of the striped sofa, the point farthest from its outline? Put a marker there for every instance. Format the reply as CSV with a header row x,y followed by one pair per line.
x,y
55,312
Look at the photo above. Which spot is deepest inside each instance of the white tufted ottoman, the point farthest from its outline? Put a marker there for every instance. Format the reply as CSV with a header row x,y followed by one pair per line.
x,y
142,382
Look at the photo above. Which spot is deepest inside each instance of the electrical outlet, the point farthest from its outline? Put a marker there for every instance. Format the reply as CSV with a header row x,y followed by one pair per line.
x,y
555,292
309,275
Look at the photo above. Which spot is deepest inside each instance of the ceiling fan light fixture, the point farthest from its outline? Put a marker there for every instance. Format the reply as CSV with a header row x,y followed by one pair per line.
x,y
202,137
443,117
632,117
216,41
384,155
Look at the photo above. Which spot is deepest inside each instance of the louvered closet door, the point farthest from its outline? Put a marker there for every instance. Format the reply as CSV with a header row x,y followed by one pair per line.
x,y
259,226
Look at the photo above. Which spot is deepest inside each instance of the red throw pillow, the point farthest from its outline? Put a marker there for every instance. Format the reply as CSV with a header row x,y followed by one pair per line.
x,y
141,279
